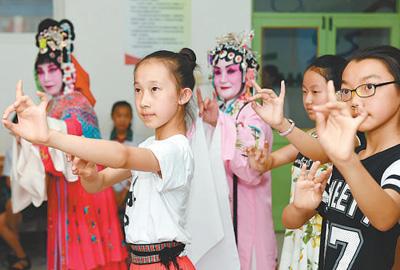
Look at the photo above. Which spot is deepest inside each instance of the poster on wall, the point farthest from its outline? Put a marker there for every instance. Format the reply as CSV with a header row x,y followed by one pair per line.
x,y
156,25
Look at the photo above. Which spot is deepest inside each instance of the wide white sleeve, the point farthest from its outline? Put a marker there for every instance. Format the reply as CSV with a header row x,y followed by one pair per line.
x,y
213,241
28,174
58,157
176,162
28,183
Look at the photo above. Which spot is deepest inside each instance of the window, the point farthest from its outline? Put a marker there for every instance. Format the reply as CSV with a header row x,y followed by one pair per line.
x,y
342,6
20,16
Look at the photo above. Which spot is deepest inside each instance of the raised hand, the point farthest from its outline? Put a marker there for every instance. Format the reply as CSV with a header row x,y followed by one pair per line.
x,y
309,187
259,159
271,108
208,108
337,126
32,122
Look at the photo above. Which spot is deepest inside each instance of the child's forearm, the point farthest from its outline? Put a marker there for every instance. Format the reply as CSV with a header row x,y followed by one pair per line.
x,y
93,185
304,143
380,206
107,153
283,156
293,217
102,152
104,179
307,145
112,176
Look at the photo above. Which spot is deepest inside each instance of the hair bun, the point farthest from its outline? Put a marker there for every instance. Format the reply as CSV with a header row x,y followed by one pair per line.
x,y
190,56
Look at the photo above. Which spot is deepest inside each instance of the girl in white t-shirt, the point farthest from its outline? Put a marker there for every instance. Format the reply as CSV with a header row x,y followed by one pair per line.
x,y
161,168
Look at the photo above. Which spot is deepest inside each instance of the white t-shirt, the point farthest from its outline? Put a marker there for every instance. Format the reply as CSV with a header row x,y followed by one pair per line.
x,y
156,207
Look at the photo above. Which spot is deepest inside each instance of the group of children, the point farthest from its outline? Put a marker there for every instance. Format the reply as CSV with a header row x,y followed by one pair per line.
x,y
357,196
347,209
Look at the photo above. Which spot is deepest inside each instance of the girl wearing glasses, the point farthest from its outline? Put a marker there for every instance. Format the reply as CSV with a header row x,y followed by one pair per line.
x,y
360,205
363,90
301,246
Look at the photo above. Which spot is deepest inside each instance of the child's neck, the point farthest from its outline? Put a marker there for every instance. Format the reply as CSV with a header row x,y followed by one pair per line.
x,y
121,135
173,127
380,139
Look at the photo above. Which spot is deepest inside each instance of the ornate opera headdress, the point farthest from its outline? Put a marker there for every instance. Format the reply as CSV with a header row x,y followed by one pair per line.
x,y
55,41
235,47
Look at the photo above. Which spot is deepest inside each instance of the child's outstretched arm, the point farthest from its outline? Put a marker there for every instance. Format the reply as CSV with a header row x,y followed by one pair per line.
x,y
94,181
107,153
307,197
32,126
336,129
271,111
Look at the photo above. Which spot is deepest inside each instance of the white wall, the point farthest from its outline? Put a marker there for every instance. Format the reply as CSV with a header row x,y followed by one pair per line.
x,y
17,56
99,47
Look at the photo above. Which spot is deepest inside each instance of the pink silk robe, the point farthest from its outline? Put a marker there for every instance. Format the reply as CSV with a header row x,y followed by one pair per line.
x,y
256,237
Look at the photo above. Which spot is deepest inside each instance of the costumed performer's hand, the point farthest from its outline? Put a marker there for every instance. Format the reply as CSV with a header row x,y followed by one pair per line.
x,y
32,121
271,107
259,159
208,108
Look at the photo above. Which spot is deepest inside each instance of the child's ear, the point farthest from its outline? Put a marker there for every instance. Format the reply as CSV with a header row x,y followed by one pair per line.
x,y
185,96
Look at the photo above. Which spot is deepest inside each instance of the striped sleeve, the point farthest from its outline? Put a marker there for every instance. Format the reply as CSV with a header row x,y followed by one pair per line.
x,y
391,177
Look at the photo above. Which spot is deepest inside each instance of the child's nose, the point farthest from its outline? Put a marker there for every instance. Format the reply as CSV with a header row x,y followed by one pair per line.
x,y
308,99
145,101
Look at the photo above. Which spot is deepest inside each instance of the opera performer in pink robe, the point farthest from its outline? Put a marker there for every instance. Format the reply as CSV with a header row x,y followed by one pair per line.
x,y
234,67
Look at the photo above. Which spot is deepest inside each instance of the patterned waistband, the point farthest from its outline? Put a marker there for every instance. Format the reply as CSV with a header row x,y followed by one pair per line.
x,y
155,253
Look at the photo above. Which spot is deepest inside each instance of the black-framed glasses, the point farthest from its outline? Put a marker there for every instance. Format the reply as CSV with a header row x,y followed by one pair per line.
x,y
363,90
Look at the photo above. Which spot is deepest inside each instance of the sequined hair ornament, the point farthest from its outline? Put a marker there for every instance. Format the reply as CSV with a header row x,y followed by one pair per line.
x,y
55,41
235,47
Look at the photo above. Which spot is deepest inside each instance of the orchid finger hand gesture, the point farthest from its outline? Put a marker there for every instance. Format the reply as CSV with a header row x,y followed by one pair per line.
x,y
337,126
208,108
271,108
310,187
32,121
259,159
